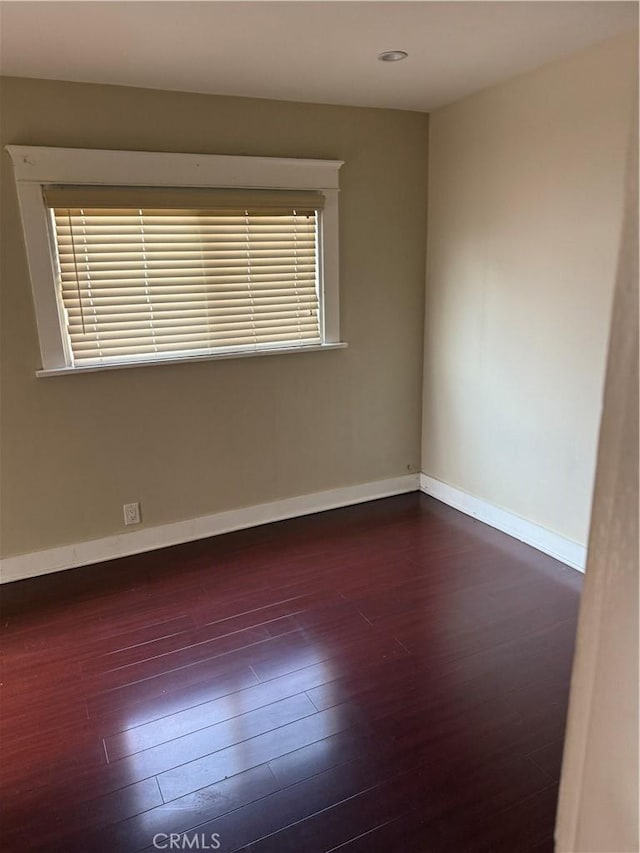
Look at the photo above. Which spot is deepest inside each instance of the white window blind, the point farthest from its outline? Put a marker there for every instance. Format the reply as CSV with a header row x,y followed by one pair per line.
x,y
157,273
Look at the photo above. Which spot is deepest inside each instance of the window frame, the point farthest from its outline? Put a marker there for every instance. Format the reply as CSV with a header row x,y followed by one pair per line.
x,y
36,167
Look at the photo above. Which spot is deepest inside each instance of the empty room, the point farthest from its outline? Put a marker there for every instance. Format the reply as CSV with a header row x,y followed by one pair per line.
x,y
319,490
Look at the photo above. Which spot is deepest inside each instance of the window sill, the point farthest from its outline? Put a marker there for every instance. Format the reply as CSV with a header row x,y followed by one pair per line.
x,y
218,356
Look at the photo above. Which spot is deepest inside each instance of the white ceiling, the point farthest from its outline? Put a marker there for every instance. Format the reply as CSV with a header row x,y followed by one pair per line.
x,y
323,52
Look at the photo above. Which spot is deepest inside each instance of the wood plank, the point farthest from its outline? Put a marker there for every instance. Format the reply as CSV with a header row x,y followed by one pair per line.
x,y
391,676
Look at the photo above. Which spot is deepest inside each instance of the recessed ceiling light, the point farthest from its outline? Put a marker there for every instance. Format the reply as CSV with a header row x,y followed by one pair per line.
x,y
392,55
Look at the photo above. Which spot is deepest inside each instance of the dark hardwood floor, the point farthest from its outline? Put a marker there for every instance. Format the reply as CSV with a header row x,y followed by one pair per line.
x,y
387,677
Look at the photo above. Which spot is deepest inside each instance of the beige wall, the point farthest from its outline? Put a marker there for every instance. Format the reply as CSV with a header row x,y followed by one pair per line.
x,y
525,208
598,808
189,440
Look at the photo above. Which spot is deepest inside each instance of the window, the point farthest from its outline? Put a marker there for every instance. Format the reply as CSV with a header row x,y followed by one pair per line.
x,y
143,277
139,273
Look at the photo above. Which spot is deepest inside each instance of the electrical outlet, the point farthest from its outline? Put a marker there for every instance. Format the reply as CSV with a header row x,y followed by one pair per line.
x,y
131,513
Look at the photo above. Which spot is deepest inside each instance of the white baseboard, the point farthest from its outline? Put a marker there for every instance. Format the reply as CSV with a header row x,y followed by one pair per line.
x,y
568,552
148,539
